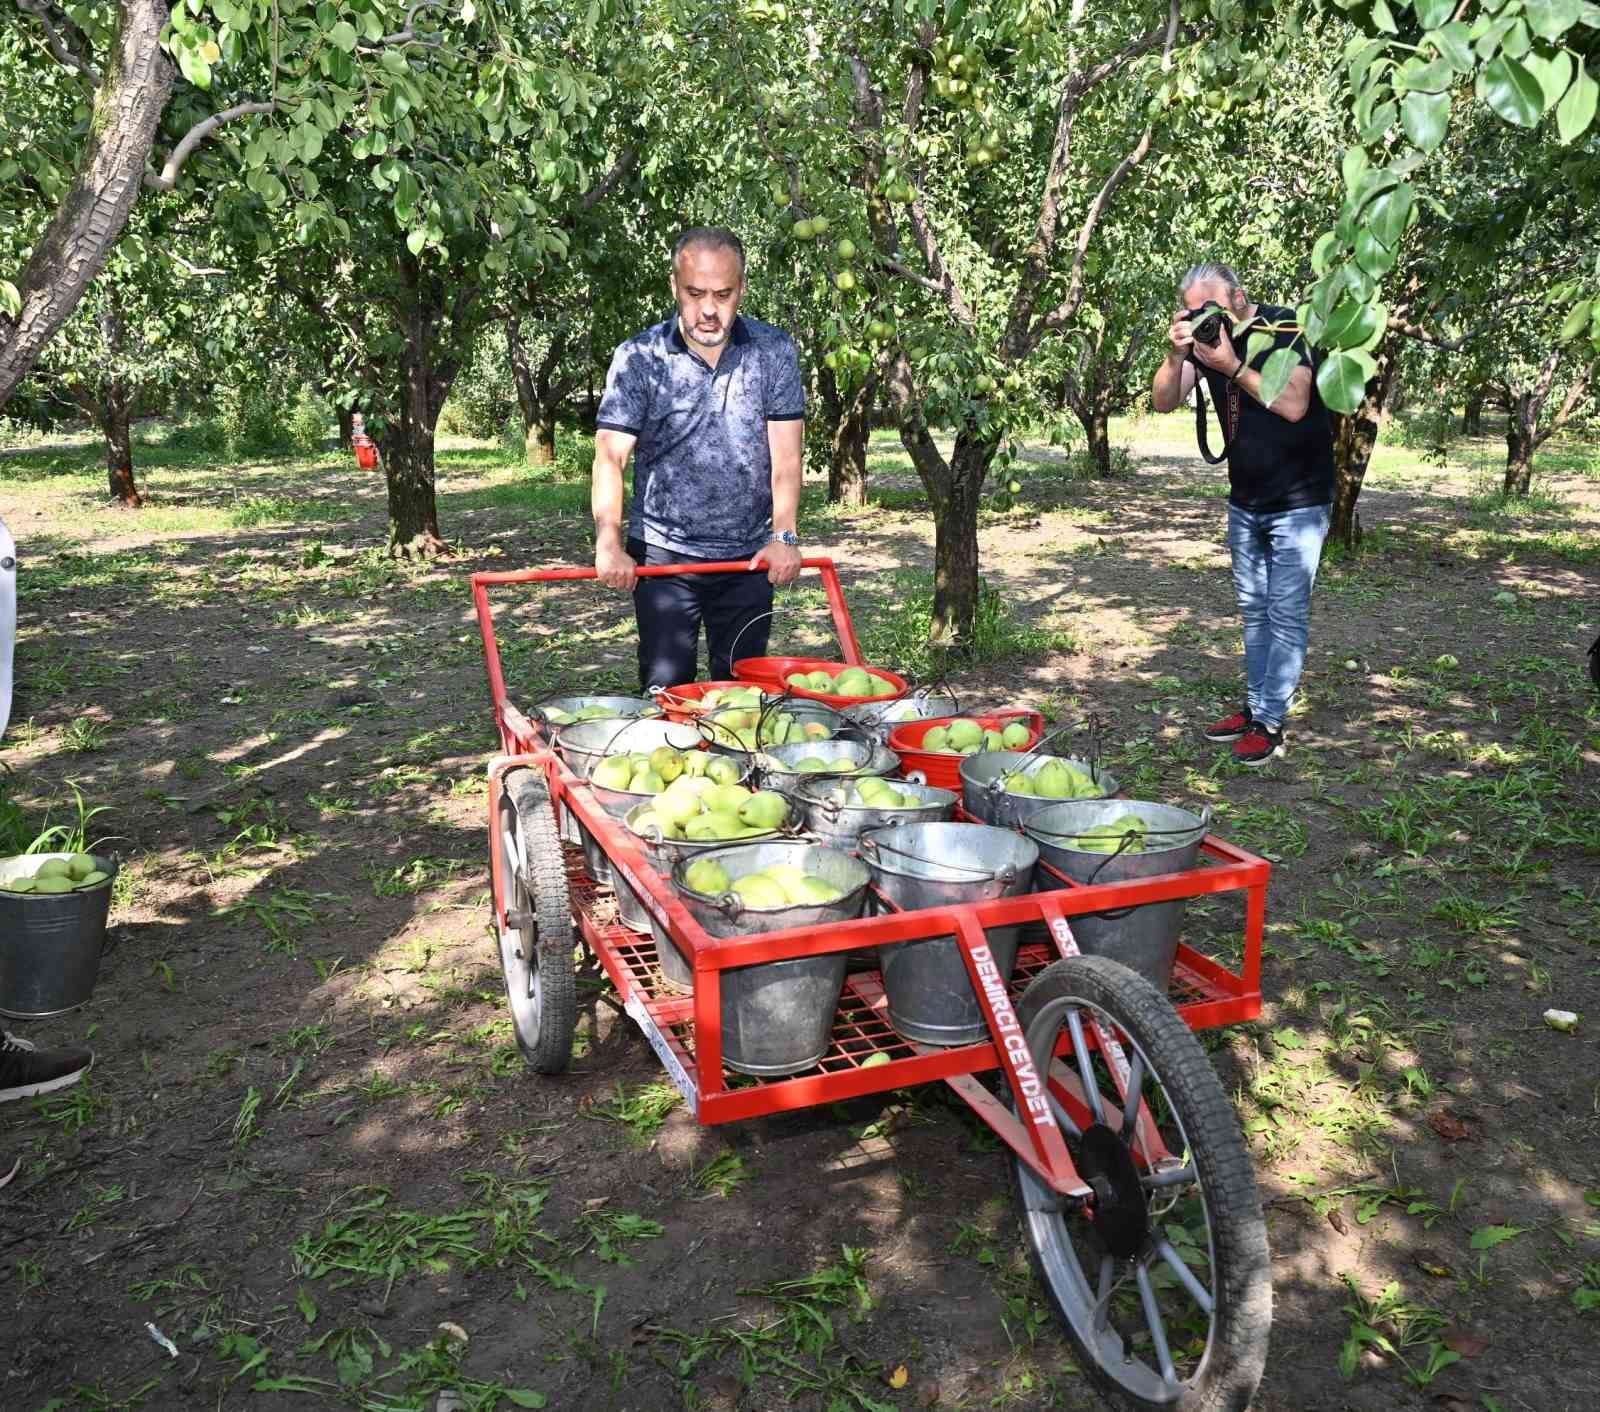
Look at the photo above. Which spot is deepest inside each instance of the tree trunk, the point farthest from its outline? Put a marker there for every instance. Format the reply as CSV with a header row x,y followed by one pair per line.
x,y
1354,437
1472,417
849,425
346,423
407,438
132,95
1096,419
538,395
113,408
955,543
1520,444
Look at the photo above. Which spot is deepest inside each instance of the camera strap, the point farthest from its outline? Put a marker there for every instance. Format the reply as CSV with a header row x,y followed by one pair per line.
x,y
1229,425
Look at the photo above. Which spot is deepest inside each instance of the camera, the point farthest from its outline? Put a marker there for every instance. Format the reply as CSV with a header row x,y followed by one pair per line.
x,y
1205,323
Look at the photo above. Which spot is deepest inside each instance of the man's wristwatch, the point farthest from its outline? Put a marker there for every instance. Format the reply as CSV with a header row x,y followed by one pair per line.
x,y
788,537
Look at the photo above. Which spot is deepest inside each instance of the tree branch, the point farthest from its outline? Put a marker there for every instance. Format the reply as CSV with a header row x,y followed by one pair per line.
x,y
409,35
1036,259
608,182
67,42
894,267
1569,404
167,178
1068,307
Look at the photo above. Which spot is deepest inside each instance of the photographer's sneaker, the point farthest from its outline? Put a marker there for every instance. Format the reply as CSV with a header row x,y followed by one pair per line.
x,y
1229,727
1257,745
26,1071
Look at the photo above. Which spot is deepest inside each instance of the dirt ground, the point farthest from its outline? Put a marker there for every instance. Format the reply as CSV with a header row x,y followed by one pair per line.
x,y
308,1153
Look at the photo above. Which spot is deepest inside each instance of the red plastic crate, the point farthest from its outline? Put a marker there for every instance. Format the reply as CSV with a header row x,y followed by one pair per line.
x,y
772,674
940,768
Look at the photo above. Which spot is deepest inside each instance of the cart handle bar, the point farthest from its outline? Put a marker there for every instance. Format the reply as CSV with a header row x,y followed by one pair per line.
x,y
844,629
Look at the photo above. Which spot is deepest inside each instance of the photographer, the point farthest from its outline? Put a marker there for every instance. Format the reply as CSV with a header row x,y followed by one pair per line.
x,y
1280,487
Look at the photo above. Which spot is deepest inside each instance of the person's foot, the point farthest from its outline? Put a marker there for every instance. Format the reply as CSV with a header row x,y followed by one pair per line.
x,y
26,1071
1229,727
1257,745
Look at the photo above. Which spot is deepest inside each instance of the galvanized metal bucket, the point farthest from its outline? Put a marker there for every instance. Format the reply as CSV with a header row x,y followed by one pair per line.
x,y
844,758
777,1017
584,744
662,854
617,708
930,994
1145,937
805,712
985,796
878,718
828,813
50,943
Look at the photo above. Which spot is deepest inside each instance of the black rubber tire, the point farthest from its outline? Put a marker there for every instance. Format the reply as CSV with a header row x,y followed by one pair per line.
x,y
1230,1369
537,959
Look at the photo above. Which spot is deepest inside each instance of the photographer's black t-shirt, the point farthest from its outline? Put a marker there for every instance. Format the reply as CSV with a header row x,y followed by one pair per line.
x,y
1273,464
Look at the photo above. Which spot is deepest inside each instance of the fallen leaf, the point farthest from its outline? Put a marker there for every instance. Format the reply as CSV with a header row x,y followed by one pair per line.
x,y
1430,1264
1336,1220
1450,1127
1463,1341
1487,1237
455,1331
1449,1402
928,1394
900,1377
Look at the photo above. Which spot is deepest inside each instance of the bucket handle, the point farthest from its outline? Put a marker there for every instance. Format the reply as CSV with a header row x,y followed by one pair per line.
x,y
1006,875
733,647
1126,843
731,905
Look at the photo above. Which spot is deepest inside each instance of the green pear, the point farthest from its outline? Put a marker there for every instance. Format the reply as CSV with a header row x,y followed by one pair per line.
x,y
853,681
725,798
811,765
1015,736
821,681
1053,781
817,730
558,717
677,806
993,740
52,884
815,890
647,781
708,876
790,877
758,890
52,868
965,732
880,686
937,739
723,770
695,762
764,810
666,762
1019,783
799,679
80,865
17,885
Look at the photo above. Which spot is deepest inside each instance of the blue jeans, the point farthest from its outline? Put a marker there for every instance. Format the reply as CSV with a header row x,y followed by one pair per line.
x,y
1275,558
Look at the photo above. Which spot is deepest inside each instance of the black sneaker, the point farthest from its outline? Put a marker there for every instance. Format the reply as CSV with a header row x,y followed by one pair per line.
x,y
1257,745
27,1071
1229,727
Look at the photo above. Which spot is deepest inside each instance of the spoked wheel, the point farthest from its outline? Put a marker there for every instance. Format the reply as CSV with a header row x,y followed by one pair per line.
x,y
1162,1277
536,949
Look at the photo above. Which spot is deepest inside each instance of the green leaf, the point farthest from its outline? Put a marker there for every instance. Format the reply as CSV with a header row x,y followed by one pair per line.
x,y
1424,116
1376,258
1513,92
343,36
10,299
1487,1237
1276,372
523,1397
416,240
1553,72
1454,43
1354,166
1550,19
1389,213
306,1305
1342,380
1433,13
1577,321
1383,18
1576,111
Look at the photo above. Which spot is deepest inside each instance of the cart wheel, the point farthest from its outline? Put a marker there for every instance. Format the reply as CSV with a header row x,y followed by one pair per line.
x,y
1163,1278
536,956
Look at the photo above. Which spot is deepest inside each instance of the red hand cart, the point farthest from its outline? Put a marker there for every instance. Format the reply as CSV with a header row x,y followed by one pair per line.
x,y
1132,1178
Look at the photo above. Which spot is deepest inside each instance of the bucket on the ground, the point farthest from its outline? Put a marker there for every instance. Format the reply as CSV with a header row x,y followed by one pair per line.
x,y
984,794
584,744
777,1017
1143,937
915,866
50,943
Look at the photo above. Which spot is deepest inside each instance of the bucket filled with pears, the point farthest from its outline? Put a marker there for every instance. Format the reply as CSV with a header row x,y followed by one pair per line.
x,y
936,747
53,910
777,1016
837,683
1008,787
